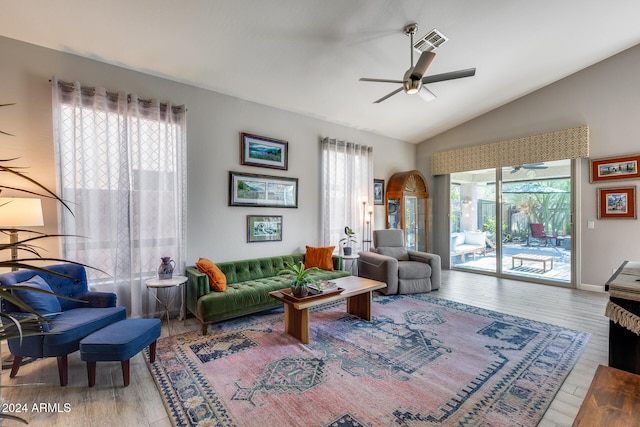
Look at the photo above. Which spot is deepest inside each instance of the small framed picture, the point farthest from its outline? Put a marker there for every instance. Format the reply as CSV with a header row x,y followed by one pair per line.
x,y
378,191
263,152
618,202
614,168
262,228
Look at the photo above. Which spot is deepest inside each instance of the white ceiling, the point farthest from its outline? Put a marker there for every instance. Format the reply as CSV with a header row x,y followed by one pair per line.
x,y
306,56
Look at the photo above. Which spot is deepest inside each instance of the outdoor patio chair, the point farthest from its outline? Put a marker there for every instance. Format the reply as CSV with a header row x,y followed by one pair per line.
x,y
538,233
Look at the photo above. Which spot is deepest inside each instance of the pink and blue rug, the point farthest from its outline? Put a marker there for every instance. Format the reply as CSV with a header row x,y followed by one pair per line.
x,y
420,361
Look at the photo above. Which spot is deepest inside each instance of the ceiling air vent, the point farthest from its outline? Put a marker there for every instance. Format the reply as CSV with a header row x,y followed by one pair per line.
x,y
430,41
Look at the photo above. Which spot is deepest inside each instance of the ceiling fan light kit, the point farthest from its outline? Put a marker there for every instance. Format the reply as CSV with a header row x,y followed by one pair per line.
x,y
410,85
414,79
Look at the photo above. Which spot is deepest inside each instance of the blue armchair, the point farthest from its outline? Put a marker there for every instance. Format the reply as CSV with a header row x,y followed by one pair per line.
x,y
69,321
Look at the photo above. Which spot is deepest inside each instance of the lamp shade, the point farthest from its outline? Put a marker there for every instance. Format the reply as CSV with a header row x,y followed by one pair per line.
x,y
20,212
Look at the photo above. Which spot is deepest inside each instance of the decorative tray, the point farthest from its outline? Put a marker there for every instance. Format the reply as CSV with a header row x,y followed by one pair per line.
x,y
286,293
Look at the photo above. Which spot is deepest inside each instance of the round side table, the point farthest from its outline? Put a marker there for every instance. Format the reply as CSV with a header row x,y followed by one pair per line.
x,y
352,263
174,283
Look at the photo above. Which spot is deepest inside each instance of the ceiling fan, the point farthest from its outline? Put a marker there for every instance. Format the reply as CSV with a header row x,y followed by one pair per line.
x,y
538,165
414,80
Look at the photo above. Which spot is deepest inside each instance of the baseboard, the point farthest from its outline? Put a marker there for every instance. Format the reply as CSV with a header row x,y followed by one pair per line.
x,y
592,288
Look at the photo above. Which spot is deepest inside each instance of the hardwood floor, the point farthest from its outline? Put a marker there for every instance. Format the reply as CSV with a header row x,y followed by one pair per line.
x,y
109,404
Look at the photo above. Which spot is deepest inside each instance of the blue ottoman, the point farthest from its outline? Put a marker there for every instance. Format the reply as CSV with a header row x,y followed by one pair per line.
x,y
119,341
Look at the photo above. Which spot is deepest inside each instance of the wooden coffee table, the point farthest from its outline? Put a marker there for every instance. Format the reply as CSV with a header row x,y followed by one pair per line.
x,y
357,291
613,399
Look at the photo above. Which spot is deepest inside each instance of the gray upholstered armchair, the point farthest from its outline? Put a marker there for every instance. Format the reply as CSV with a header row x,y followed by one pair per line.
x,y
404,271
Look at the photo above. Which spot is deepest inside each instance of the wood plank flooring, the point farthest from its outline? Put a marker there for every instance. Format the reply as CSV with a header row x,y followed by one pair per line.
x,y
110,404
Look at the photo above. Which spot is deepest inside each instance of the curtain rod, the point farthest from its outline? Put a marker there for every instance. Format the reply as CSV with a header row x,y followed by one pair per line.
x,y
90,91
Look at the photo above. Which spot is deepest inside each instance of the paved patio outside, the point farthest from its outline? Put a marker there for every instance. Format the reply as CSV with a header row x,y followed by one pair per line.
x,y
561,270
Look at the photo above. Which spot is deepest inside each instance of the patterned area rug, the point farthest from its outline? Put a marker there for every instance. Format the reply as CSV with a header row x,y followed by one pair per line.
x,y
420,361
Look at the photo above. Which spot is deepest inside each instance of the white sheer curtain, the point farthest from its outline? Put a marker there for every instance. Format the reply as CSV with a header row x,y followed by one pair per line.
x,y
347,180
122,166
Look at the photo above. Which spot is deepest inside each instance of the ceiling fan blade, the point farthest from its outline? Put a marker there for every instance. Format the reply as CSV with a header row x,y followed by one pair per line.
x,y
421,66
426,94
364,79
451,75
388,96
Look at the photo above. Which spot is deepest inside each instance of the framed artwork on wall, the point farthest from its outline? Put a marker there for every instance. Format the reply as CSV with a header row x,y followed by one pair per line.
x,y
246,189
614,168
378,191
617,202
263,228
263,152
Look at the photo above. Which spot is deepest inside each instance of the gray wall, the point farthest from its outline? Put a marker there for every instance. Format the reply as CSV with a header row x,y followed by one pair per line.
x,y
214,122
606,97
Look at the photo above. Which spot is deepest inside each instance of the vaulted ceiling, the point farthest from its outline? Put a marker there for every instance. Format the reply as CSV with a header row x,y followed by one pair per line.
x,y
306,56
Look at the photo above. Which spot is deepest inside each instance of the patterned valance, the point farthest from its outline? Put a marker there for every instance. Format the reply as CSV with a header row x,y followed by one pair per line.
x,y
545,147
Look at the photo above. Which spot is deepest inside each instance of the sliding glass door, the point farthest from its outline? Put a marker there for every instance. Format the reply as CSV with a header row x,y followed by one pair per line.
x,y
473,220
528,235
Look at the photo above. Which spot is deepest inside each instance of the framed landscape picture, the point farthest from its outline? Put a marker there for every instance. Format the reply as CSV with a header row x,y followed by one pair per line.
x,y
619,202
614,168
378,191
262,228
262,190
263,152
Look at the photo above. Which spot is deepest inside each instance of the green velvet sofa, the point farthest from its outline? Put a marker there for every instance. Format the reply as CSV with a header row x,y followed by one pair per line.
x,y
248,285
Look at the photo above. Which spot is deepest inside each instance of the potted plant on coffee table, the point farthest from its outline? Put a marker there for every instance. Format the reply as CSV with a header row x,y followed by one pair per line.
x,y
346,242
300,278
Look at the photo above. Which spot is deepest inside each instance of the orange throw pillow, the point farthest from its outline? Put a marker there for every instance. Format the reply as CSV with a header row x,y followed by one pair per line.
x,y
319,257
217,279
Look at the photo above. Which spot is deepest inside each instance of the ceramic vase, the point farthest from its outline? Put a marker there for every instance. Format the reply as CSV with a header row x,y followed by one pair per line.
x,y
165,271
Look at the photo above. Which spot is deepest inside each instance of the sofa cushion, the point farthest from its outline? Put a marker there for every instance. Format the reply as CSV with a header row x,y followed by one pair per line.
x,y
414,286
399,253
413,270
40,302
67,279
457,239
71,326
217,279
390,237
250,296
319,257
474,238
240,297
242,271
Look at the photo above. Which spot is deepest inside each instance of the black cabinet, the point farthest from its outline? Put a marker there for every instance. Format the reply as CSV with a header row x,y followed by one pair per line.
x,y
624,302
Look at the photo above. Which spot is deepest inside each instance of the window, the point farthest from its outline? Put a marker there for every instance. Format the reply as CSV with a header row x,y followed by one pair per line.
x,y
347,181
121,165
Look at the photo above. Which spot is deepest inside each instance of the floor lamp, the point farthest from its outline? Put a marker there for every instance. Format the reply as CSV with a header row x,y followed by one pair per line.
x,y
19,212
366,225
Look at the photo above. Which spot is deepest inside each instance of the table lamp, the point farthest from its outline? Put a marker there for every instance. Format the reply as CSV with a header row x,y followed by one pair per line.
x,y
19,212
